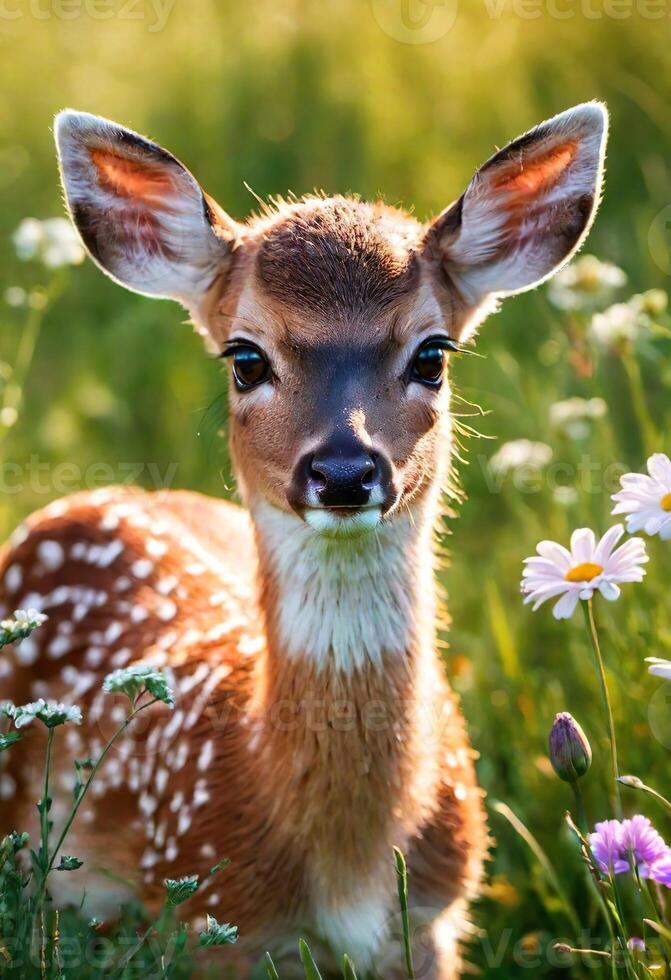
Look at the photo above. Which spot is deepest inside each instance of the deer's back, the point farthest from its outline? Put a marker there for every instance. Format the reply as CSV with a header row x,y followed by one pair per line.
x,y
128,577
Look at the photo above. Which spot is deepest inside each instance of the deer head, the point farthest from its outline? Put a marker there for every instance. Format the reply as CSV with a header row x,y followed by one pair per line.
x,y
336,317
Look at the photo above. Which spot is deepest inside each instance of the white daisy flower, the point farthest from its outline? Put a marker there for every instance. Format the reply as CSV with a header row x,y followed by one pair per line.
x,y
646,500
53,242
585,283
616,327
659,667
587,568
574,415
518,454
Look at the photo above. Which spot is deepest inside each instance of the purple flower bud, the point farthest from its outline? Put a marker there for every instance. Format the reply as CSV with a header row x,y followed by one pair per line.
x,y
569,750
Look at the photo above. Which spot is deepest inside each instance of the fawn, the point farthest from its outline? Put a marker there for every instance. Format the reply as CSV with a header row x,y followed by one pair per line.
x,y
314,727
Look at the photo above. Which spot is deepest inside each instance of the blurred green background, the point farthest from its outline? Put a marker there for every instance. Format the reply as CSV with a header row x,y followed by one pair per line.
x,y
345,96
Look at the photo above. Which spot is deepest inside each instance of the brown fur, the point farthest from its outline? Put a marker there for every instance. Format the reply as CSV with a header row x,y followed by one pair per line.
x,y
314,728
324,749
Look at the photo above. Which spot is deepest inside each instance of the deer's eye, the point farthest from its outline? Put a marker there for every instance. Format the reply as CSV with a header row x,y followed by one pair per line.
x,y
250,367
429,363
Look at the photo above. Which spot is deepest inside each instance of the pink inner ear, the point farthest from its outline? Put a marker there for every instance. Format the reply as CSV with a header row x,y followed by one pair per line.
x,y
539,173
129,178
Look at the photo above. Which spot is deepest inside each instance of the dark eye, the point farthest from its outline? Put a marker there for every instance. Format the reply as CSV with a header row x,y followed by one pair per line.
x,y
429,363
250,367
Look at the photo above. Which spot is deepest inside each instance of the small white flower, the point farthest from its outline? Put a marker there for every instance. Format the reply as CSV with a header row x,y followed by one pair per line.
x,y
133,680
54,242
588,567
617,326
587,282
573,415
646,500
520,453
50,713
28,238
20,626
16,296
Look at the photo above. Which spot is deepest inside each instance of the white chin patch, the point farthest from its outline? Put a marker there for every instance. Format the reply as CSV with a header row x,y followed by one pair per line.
x,y
333,525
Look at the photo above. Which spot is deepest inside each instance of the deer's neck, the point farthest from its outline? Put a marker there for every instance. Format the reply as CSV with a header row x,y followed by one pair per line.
x,y
343,606
348,691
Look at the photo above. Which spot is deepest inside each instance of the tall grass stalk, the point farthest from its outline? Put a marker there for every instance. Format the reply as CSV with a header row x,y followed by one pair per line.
x,y
603,683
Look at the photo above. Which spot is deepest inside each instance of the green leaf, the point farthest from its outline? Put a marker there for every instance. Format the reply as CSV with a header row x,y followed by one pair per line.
x,y
69,863
224,863
270,967
10,738
309,965
348,971
180,889
217,934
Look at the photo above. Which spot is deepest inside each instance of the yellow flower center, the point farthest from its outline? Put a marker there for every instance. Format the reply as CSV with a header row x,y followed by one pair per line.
x,y
583,573
666,501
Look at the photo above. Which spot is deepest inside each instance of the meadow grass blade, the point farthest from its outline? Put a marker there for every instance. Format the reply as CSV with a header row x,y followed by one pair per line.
x,y
543,860
402,882
348,970
270,967
309,965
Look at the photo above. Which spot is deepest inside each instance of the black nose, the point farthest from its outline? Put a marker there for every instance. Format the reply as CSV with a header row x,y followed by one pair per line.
x,y
345,478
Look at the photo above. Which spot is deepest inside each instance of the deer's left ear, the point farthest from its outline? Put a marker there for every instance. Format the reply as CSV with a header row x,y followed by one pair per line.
x,y
527,209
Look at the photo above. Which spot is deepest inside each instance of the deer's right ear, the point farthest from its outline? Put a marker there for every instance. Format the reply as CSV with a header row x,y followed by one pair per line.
x,y
142,216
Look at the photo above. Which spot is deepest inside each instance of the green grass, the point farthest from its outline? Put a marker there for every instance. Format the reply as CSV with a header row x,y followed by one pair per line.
x,y
312,94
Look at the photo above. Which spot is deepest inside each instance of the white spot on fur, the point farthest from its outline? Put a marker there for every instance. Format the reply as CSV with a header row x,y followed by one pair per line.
x,y
167,611
142,568
109,521
206,755
51,554
7,786
13,579
27,652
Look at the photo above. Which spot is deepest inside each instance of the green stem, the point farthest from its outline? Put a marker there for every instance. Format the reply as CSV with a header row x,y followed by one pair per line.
x,y
44,849
645,423
601,672
85,789
139,944
44,810
581,816
12,396
543,860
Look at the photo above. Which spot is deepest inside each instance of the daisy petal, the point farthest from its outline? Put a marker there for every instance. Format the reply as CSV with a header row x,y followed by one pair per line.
x,y
607,543
659,467
565,607
609,591
556,553
583,544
